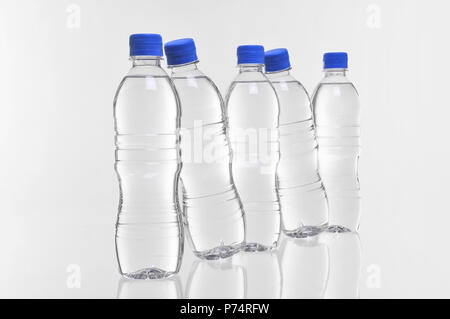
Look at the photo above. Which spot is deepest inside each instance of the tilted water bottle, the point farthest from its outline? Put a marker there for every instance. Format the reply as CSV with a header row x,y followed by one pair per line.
x,y
211,206
304,206
253,111
149,234
337,118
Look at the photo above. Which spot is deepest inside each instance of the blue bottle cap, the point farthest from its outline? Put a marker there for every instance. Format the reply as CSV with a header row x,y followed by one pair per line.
x,y
277,60
180,51
250,54
335,60
146,44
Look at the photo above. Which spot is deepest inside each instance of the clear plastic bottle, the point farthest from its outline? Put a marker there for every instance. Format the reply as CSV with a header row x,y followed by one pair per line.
x,y
211,206
149,233
336,111
252,109
304,206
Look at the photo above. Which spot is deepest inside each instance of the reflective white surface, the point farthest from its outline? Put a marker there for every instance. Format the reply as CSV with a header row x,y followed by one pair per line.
x,y
57,183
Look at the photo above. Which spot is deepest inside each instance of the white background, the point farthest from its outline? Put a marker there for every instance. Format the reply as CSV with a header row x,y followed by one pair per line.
x,y
61,62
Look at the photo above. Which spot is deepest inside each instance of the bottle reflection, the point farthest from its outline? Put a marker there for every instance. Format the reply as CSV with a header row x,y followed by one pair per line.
x,y
305,267
263,279
169,288
216,279
345,265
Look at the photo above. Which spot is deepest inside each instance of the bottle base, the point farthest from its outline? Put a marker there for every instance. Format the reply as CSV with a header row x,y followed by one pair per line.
x,y
219,252
305,231
337,229
254,247
148,273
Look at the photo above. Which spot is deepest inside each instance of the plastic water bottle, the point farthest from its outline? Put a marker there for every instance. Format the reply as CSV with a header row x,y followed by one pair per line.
x,y
337,118
253,111
149,233
211,206
304,206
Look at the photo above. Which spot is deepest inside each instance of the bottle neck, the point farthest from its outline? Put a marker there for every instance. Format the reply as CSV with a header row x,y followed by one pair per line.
x,y
146,60
250,67
279,74
335,72
182,68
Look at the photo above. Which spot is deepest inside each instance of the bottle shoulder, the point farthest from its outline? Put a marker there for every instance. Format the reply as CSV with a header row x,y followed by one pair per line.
x,y
295,105
251,90
336,79
144,81
254,95
146,70
336,84
189,73
200,99
285,77
243,77
195,82
336,101
289,85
